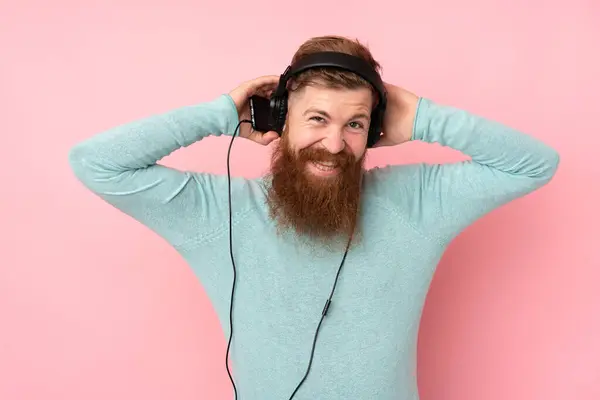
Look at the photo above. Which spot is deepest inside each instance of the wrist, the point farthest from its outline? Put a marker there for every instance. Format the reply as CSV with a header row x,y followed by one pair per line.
x,y
231,113
404,106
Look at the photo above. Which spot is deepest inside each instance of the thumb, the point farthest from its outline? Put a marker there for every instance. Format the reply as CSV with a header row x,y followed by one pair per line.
x,y
264,138
270,137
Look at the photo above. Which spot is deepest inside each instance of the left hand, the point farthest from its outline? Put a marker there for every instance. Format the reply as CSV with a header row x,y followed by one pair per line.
x,y
399,116
262,86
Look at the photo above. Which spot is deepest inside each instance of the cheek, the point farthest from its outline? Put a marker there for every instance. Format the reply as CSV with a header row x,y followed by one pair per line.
x,y
300,138
357,144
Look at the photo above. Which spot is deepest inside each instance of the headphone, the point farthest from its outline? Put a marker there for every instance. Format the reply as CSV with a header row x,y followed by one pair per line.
x,y
330,59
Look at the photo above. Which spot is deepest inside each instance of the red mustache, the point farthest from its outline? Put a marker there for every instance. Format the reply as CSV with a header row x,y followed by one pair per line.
x,y
342,159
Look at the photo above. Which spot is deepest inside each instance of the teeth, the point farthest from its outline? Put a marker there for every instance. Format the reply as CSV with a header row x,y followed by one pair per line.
x,y
324,166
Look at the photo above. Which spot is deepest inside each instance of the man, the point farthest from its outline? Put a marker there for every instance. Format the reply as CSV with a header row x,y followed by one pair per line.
x,y
290,228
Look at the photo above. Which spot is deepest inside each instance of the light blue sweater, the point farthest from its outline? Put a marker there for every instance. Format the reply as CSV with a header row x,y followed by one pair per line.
x,y
366,348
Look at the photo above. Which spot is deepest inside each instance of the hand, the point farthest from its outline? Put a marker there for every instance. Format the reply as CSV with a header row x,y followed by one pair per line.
x,y
262,86
399,116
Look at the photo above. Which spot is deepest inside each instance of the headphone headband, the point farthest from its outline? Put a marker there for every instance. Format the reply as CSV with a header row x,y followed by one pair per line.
x,y
331,59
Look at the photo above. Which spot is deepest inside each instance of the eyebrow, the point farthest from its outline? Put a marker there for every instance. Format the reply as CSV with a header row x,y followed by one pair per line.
x,y
325,114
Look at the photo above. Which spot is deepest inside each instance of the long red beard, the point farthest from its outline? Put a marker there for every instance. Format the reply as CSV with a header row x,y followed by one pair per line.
x,y
320,208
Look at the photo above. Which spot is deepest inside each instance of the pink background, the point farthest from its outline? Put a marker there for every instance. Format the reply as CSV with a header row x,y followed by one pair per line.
x,y
94,306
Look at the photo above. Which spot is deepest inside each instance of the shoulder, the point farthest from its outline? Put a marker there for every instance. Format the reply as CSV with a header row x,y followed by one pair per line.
x,y
210,198
402,193
217,188
392,180
397,188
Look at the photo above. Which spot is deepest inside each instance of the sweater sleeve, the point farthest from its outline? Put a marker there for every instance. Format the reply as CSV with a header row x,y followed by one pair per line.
x,y
504,164
121,166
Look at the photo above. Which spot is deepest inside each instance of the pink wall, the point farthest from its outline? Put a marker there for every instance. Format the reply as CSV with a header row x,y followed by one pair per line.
x,y
93,306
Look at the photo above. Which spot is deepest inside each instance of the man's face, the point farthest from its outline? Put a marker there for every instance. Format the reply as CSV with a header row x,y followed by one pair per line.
x,y
333,120
318,164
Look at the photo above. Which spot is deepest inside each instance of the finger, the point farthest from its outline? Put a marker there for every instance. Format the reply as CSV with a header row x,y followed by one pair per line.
x,y
270,137
263,138
265,92
266,80
263,84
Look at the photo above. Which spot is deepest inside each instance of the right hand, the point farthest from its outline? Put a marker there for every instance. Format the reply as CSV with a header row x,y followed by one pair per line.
x,y
262,86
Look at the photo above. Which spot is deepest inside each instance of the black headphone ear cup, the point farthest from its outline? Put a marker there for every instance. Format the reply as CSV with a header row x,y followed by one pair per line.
x,y
283,108
278,112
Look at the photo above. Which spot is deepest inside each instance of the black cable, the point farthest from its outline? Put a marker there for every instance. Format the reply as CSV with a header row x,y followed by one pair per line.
x,y
232,260
325,308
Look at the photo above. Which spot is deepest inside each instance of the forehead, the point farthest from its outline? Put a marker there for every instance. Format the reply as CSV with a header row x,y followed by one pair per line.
x,y
340,100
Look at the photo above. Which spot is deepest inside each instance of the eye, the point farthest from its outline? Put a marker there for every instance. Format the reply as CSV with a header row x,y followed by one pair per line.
x,y
317,119
356,125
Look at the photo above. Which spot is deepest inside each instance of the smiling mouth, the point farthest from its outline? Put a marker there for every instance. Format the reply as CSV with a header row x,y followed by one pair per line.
x,y
324,167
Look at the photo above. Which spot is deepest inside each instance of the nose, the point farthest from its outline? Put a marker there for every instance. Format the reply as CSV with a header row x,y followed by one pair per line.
x,y
334,140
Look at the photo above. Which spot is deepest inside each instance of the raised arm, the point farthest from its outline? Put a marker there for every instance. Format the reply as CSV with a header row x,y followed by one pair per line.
x,y
121,166
505,164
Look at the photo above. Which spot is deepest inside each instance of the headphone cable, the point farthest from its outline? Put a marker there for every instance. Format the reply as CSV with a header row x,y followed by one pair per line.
x,y
231,254
325,309
327,303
